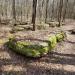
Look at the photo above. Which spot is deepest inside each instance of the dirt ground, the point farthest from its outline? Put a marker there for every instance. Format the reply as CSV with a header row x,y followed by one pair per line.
x,y
61,61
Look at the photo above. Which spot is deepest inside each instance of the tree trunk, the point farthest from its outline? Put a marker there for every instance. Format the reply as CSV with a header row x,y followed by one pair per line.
x,y
52,16
14,13
34,14
64,13
74,10
6,5
21,12
47,1
60,12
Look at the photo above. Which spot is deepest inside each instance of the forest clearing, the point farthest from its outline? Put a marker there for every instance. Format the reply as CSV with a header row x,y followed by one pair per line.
x,y
37,39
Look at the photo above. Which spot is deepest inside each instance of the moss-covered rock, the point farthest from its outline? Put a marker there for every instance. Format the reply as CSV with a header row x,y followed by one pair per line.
x,y
60,36
27,48
52,42
34,50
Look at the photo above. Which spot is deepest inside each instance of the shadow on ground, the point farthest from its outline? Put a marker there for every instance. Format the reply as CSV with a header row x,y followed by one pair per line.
x,y
53,64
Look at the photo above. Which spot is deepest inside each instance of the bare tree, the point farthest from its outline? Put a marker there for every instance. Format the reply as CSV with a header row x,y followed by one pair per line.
x,y
27,9
60,12
47,1
21,11
14,12
40,11
6,5
2,8
52,10
34,13
46,10
43,1
65,9
74,10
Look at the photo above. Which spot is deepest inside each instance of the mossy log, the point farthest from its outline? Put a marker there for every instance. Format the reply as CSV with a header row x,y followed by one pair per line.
x,y
34,50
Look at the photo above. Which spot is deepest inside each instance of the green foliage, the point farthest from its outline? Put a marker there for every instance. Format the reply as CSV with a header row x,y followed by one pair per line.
x,y
11,43
60,36
26,48
31,50
52,42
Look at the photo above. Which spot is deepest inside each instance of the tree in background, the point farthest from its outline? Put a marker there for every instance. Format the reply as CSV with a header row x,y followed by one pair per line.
x,y
60,12
47,10
14,12
6,6
74,10
34,14
47,1
52,16
65,9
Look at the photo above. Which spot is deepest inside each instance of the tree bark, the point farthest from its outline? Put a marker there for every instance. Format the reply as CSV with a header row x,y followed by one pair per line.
x,y
52,17
64,14
14,12
47,1
34,14
60,12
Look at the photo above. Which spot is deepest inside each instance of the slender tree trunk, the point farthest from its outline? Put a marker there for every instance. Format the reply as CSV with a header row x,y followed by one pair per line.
x,y
74,10
6,4
17,16
60,12
0,12
40,12
34,14
14,12
21,12
27,10
42,16
42,3
47,1
2,8
64,13
24,9
52,10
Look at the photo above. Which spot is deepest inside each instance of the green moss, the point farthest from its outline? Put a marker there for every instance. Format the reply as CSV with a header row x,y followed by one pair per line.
x,y
52,42
28,49
60,36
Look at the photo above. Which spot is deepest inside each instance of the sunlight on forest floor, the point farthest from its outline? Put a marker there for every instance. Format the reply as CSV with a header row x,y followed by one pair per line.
x,y
59,62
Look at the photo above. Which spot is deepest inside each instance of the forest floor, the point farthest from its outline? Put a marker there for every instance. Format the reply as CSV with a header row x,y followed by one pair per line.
x,y
61,61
